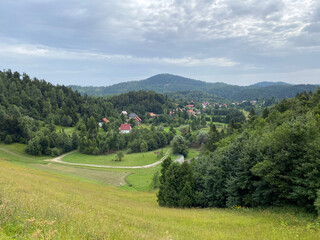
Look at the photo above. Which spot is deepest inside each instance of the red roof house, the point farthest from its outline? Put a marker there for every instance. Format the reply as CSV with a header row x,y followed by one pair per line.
x,y
104,120
125,128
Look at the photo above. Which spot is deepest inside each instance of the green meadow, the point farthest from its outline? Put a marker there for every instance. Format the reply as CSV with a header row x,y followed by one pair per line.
x,y
133,159
67,130
44,200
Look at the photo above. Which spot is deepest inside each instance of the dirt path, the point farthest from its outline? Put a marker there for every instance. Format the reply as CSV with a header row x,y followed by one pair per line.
x,y
11,153
59,160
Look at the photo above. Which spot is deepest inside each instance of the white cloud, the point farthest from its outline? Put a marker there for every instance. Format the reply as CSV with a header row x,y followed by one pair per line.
x,y
46,52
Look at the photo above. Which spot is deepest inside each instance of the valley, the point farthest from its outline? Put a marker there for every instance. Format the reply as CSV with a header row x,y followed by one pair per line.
x,y
145,165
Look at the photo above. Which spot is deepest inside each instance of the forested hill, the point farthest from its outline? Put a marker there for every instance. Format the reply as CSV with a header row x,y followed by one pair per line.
x,y
141,102
31,108
164,83
267,84
22,96
273,160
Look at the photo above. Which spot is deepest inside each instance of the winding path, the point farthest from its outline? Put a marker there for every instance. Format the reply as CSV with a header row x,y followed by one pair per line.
x,y
58,160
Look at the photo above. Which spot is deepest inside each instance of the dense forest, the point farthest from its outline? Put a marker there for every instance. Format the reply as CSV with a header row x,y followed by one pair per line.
x,y
31,108
272,160
141,102
168,83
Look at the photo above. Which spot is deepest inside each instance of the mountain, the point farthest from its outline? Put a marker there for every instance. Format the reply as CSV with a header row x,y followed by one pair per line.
x,y
267,84
159,83
168,83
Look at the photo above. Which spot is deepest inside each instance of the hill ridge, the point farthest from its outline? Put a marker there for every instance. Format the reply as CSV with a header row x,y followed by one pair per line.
x,y
166,83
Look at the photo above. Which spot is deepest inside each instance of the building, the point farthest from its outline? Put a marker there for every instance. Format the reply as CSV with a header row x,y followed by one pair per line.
x,y
138,120
104,120
124,113
132,115
125,128
191,112
205,104
135,116
152,114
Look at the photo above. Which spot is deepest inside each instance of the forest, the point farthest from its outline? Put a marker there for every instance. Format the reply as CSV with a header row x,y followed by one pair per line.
x,y
272,160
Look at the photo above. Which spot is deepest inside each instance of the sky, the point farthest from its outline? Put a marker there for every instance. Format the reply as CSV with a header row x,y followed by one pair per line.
x,y
100,43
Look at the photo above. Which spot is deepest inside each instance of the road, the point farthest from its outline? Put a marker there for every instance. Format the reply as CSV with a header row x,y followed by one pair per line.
x,y
59,160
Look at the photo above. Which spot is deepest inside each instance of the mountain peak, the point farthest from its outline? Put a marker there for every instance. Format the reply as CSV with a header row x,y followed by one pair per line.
x,y
267,84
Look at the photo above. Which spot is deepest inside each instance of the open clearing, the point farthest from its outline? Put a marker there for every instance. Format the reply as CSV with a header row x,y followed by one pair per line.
x,y
139,179
133,159
40,204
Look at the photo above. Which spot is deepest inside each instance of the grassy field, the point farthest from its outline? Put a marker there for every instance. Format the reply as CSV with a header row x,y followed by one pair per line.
x,y
38,204
15,152
139,179
166,129
193,152
219,126
67,130
246,113
133,159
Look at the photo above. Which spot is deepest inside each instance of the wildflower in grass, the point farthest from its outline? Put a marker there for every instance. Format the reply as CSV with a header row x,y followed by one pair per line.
x,y
31,220
37,233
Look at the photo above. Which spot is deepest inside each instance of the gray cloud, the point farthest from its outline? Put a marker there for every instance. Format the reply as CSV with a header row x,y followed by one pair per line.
x,y
202,36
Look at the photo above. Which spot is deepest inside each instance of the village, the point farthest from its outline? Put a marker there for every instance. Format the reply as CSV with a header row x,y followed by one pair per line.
x,y
192,110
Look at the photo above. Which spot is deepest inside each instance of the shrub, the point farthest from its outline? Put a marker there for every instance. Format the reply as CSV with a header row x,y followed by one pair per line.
x,y
55,152
317,203
8,139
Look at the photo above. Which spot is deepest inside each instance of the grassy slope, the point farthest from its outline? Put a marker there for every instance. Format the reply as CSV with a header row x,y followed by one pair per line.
x,y
67,130
71,209
140,179
133,159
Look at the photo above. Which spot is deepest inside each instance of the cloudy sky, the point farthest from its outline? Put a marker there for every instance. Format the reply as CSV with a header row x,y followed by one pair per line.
x,y
105,42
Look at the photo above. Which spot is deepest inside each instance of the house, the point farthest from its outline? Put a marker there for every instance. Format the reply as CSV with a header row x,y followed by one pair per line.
x,y
205,104
138,120
190,106
124,113
190,112
132,115
135,116
125,128
152,114
104,120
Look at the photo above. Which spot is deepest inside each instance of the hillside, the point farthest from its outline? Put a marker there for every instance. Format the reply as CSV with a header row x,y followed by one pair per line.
x,y
267,84
272,160
77,208
167,83
141,102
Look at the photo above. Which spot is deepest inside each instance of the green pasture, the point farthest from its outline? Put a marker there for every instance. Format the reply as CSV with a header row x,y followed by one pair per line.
x,y
37,204
133,159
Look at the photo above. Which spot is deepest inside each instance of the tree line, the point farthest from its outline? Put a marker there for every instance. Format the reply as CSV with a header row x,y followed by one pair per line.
x,y
270,161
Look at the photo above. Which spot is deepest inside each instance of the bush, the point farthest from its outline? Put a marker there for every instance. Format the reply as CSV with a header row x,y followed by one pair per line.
x,y
8,139
179,145
55,152
129,150
317,203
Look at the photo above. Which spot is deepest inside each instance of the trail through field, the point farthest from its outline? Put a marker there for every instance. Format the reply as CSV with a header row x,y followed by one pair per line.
x,y
11,152
59,160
